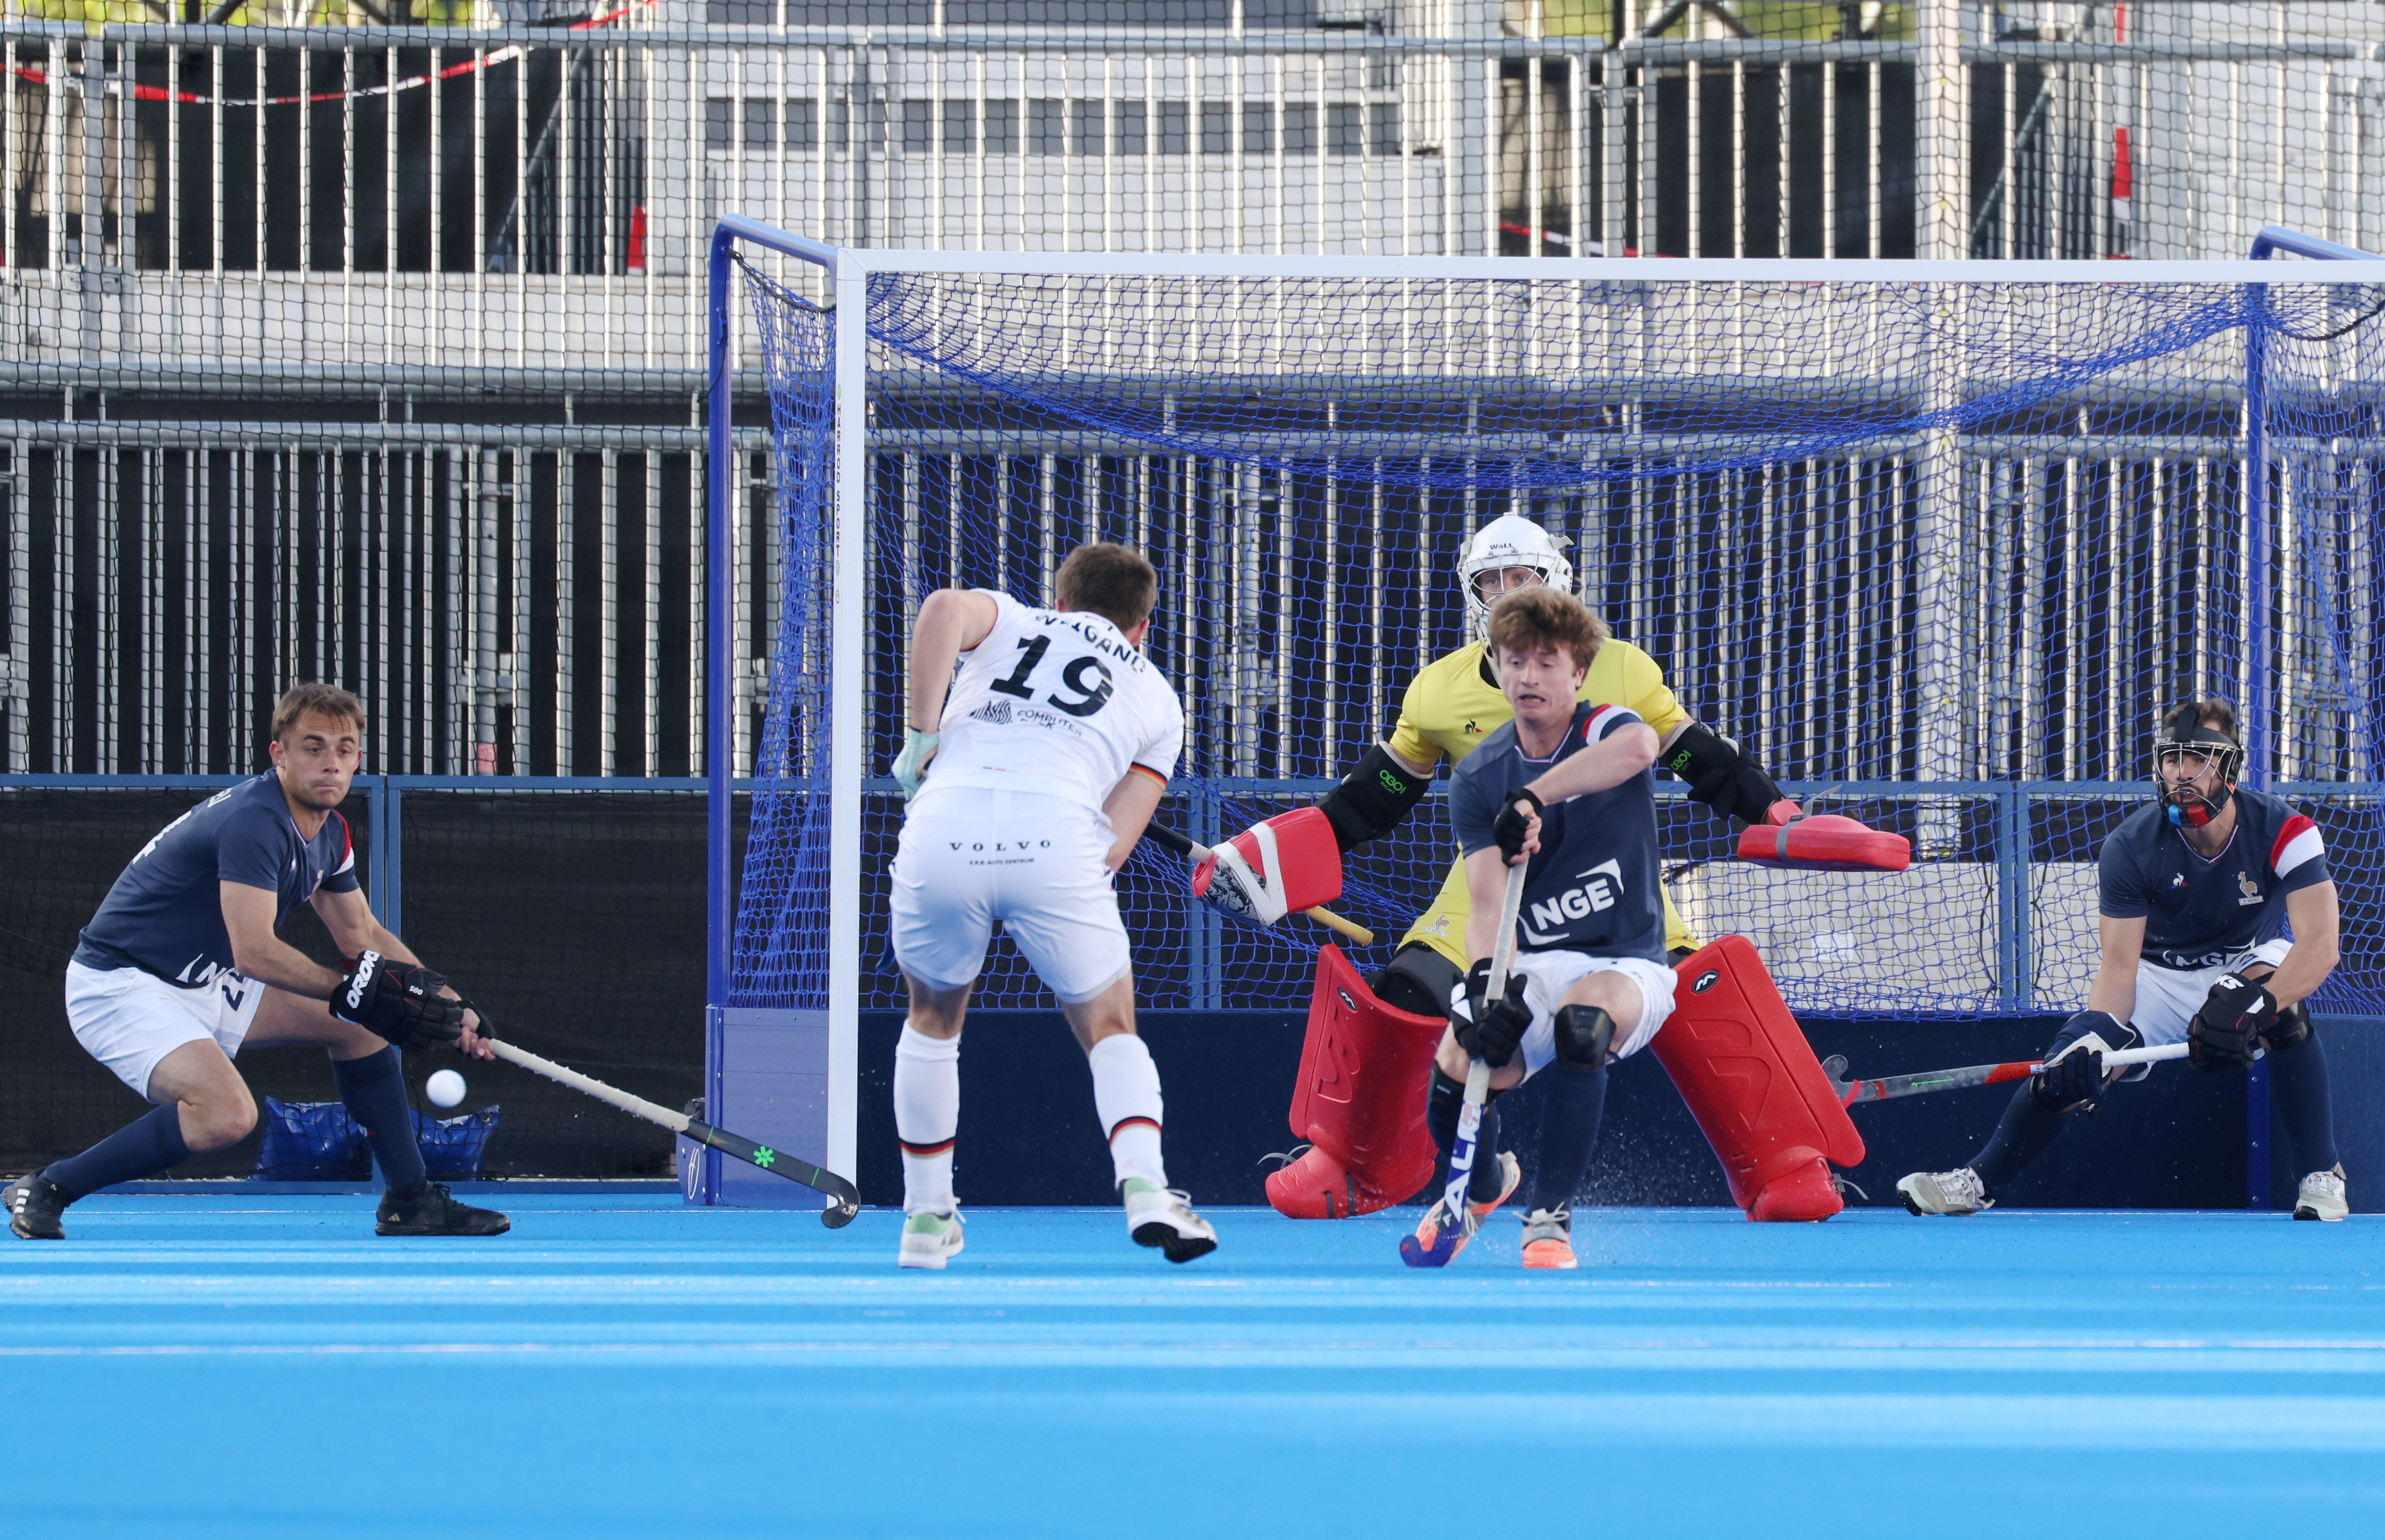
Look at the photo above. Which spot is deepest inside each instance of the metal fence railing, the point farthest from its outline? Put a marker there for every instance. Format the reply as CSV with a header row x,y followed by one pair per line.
x,y
529,600
508,600
536,197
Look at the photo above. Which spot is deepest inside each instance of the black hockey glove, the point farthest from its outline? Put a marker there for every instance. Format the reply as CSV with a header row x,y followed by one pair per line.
x,y
400,1002
2073,1081
1488,1029
2233,1020
1513,823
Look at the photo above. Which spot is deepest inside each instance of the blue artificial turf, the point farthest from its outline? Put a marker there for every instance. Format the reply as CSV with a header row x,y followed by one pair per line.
x,y
261,1365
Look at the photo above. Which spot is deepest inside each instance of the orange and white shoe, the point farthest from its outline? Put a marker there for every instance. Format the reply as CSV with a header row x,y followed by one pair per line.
x,y
1438,1241
1548,1239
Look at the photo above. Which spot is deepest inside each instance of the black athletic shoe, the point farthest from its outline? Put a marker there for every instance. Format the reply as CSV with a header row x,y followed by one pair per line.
x,y
431,1209
34,1203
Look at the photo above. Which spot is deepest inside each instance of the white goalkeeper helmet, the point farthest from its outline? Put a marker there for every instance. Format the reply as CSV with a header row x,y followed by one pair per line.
x,y
1506,541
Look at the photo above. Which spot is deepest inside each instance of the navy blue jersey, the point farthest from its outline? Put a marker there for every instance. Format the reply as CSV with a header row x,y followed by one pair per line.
x,y
2197,911
1596,885
165,915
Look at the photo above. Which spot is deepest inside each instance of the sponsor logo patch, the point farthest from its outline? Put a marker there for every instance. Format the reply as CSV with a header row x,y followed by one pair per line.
x,y
1705,981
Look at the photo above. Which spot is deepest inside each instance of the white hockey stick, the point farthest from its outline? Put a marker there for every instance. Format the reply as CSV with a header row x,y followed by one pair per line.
x,y
1478,1092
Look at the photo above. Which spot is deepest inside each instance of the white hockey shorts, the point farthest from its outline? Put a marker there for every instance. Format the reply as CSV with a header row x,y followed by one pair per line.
x,y
130,1019
968,858
2169,998
1548,975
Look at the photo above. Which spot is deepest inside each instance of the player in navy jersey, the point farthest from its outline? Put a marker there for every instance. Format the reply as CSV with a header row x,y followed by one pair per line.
x,y
181,968
2198,891
1565,784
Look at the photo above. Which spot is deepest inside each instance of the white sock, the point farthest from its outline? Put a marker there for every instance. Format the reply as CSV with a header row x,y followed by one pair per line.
x,y
927,1114
1125,1094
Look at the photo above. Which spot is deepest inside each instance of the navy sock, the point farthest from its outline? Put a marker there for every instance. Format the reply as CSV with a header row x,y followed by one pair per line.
x,y
373,1090
2298,1090
2021,1136
1569,1118
146,1147
1441,1106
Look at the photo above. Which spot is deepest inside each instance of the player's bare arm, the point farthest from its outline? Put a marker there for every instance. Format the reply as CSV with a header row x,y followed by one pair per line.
x,y
1606,764
952,621
2317,927
2115,989
1129,808
248,916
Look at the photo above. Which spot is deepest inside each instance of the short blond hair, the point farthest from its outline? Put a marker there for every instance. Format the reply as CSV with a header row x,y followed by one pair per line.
x,y
322,701
1537,615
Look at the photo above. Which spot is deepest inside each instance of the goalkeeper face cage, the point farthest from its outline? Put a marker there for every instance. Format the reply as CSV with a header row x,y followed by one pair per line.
x,y
1508,541
2194,773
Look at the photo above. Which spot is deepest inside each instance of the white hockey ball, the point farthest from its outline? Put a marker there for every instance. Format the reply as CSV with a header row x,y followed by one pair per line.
x,y
444,1089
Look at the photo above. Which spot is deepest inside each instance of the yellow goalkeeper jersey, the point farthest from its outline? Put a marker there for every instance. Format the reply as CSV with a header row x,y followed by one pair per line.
x,y
1451,705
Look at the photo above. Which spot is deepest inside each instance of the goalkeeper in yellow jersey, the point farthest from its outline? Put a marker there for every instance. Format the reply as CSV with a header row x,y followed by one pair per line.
x,y
1365,1070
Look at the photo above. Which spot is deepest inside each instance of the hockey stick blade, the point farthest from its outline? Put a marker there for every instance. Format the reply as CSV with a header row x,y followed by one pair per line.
x,y
1437,1255
843,1202
1890,1088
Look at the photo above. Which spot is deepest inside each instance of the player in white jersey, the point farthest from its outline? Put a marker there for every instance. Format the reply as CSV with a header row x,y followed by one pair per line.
x,y
1032,774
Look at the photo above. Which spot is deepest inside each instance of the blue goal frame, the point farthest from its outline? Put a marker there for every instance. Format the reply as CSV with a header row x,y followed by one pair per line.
x,y
791,1075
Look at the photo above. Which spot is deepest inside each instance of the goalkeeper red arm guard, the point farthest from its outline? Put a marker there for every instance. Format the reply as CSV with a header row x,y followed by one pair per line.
x,y
1291,861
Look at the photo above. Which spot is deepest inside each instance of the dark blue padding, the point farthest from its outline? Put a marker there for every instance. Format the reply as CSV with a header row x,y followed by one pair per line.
x,y
1028,1134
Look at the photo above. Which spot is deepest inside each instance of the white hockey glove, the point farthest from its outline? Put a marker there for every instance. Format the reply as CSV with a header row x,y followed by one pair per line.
x,y
911,765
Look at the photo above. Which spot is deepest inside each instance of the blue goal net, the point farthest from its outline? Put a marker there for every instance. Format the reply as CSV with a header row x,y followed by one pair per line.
x,y
1938,554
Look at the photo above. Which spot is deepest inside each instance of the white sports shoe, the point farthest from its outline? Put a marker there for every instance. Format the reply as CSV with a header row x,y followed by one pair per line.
x,y
2322,1196
1957,1193
930,1240
1163,1217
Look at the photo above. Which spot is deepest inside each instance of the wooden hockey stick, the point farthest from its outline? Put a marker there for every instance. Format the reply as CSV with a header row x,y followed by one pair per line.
x,y
843,1202
1317,913
1478,1092
1894,1086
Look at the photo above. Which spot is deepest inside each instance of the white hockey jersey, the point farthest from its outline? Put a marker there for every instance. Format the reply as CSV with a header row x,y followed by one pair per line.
x,y
1058,703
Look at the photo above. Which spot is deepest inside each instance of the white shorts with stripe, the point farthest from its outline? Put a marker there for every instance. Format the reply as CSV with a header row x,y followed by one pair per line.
x,y
130,1019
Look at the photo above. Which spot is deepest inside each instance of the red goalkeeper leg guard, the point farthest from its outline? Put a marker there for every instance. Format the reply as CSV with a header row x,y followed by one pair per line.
x,y
1751,1081
1359,1102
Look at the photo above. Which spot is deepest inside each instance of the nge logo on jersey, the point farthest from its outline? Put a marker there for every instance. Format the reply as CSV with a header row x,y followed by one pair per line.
x,y
1604,886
